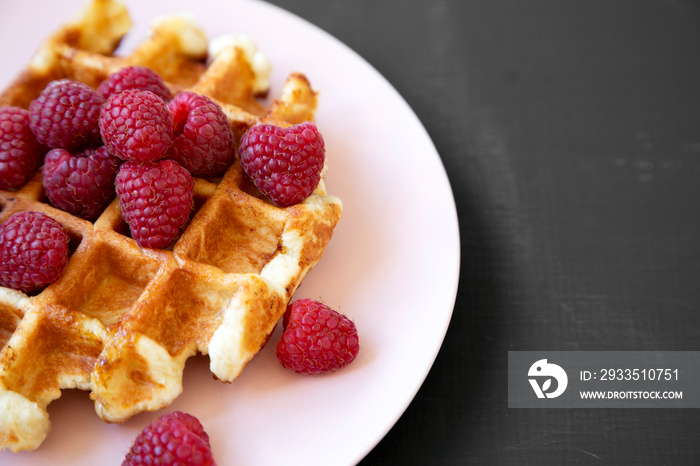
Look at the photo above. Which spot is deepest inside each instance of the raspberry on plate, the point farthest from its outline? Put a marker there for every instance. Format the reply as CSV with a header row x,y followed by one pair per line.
x,y
20,153
65,114
316,338
33,251
134,77
203,141
156,200
136,125
80,184
176,438
284,163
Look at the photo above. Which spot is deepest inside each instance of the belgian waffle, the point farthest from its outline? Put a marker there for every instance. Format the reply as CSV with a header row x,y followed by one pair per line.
x,y
121,320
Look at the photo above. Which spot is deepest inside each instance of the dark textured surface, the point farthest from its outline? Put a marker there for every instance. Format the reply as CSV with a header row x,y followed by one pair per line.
x,y
570,131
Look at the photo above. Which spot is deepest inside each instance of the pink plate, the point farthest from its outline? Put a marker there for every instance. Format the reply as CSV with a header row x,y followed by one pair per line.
x,y
392,265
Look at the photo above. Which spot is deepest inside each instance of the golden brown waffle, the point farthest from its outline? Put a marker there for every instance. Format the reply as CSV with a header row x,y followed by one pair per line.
x,y
121,320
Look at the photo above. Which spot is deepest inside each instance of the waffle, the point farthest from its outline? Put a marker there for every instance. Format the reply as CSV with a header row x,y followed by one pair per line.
x,y
121,320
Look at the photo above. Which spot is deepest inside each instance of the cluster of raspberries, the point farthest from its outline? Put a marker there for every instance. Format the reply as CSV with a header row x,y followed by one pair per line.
x,y
131,132
128,132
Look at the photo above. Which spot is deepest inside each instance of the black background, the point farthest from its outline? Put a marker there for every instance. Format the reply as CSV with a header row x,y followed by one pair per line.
x,y
570,132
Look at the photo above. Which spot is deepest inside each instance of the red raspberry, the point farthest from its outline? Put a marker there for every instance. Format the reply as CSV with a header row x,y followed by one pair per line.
x,y
203,138
156,200
316,339
136,125
65,114
176,438
134,77
284,163
20,153
33,251
80,184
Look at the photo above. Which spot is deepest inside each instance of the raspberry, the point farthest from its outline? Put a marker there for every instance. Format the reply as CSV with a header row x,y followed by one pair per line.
x,y
65,114
156,200
203,140
284,163
134,77
136,125
176,438
33,251
316,339
80,184
20,153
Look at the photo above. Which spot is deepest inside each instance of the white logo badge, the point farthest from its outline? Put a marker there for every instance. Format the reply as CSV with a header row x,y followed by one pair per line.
x,y
542,370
